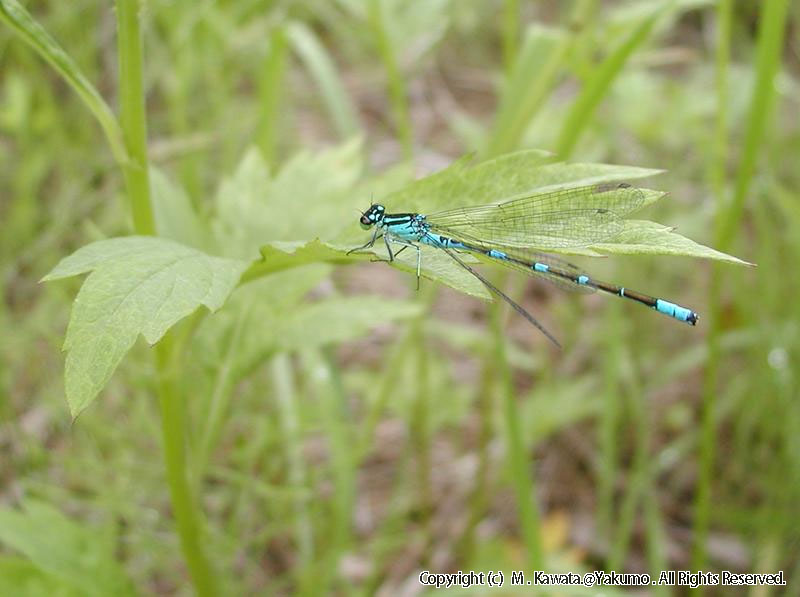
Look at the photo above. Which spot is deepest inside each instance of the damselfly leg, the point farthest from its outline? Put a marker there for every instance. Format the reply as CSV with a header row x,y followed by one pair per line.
x,y
405,245
376,235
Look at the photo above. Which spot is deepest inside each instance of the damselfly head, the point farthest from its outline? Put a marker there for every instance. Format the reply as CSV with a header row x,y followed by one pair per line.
x,y
372,216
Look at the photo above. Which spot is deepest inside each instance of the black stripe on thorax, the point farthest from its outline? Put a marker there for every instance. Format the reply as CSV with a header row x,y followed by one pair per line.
x,y
394,218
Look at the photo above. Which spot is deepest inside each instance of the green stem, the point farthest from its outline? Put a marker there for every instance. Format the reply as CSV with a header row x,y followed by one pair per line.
x,y
420,425
172,431
32,33
510,32
770,42
388,384
479,498
220,400
722,59
598,85
270,92
132,115
287,402
529,81
522,479
173,419
772,26
637,485
702,500
610,439
323,371
322,69
398,95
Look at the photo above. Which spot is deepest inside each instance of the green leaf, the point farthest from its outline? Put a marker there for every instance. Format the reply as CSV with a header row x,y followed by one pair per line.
x,y
320,64
501,178
20,577
78,556
624,16
413,26
271,91
23,24
437,266
557,405
308,326
597,85
138,285
175,216
278,256
406,20
532,77
492,181
640,237
309,197
339,320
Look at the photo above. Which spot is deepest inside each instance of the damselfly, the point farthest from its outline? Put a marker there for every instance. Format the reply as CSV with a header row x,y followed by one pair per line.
x,y
518,233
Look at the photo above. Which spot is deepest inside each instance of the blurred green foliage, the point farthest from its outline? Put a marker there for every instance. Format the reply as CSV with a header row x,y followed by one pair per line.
x,y
330,430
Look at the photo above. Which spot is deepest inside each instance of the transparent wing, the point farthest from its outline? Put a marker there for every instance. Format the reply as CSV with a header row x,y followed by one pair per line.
x,y
576,217
529,257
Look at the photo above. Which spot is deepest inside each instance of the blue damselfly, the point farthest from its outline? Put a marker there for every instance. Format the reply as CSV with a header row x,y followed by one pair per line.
x,y
518,232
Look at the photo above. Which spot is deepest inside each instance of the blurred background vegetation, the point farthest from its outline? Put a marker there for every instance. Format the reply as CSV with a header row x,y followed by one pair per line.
x,y
343,431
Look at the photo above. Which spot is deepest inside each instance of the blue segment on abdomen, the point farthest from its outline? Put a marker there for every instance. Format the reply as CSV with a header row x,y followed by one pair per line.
x,y
541,267
583,279
673,310
497,254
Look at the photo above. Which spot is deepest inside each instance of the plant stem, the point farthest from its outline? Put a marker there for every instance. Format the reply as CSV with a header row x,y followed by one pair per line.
x,y
219,401
770,42
172,430
772,26
270,92
32,33
637,484
609,428
522,479
323,371
596,87
287,402
529,80
479,497
510,32
132,115
702,500
719,142
173,420
420,423
322,68
398,94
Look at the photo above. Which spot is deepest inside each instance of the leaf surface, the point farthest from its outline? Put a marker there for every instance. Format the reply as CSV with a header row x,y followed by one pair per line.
x,y
137,285
642,237
81,558
436,265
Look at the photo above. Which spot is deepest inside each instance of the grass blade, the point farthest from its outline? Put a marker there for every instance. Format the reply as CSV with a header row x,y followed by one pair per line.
x,y
522,479
510,32
772,27
770,42
524,94
597,86
23,24
270,86
319,63
531,78
398,94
